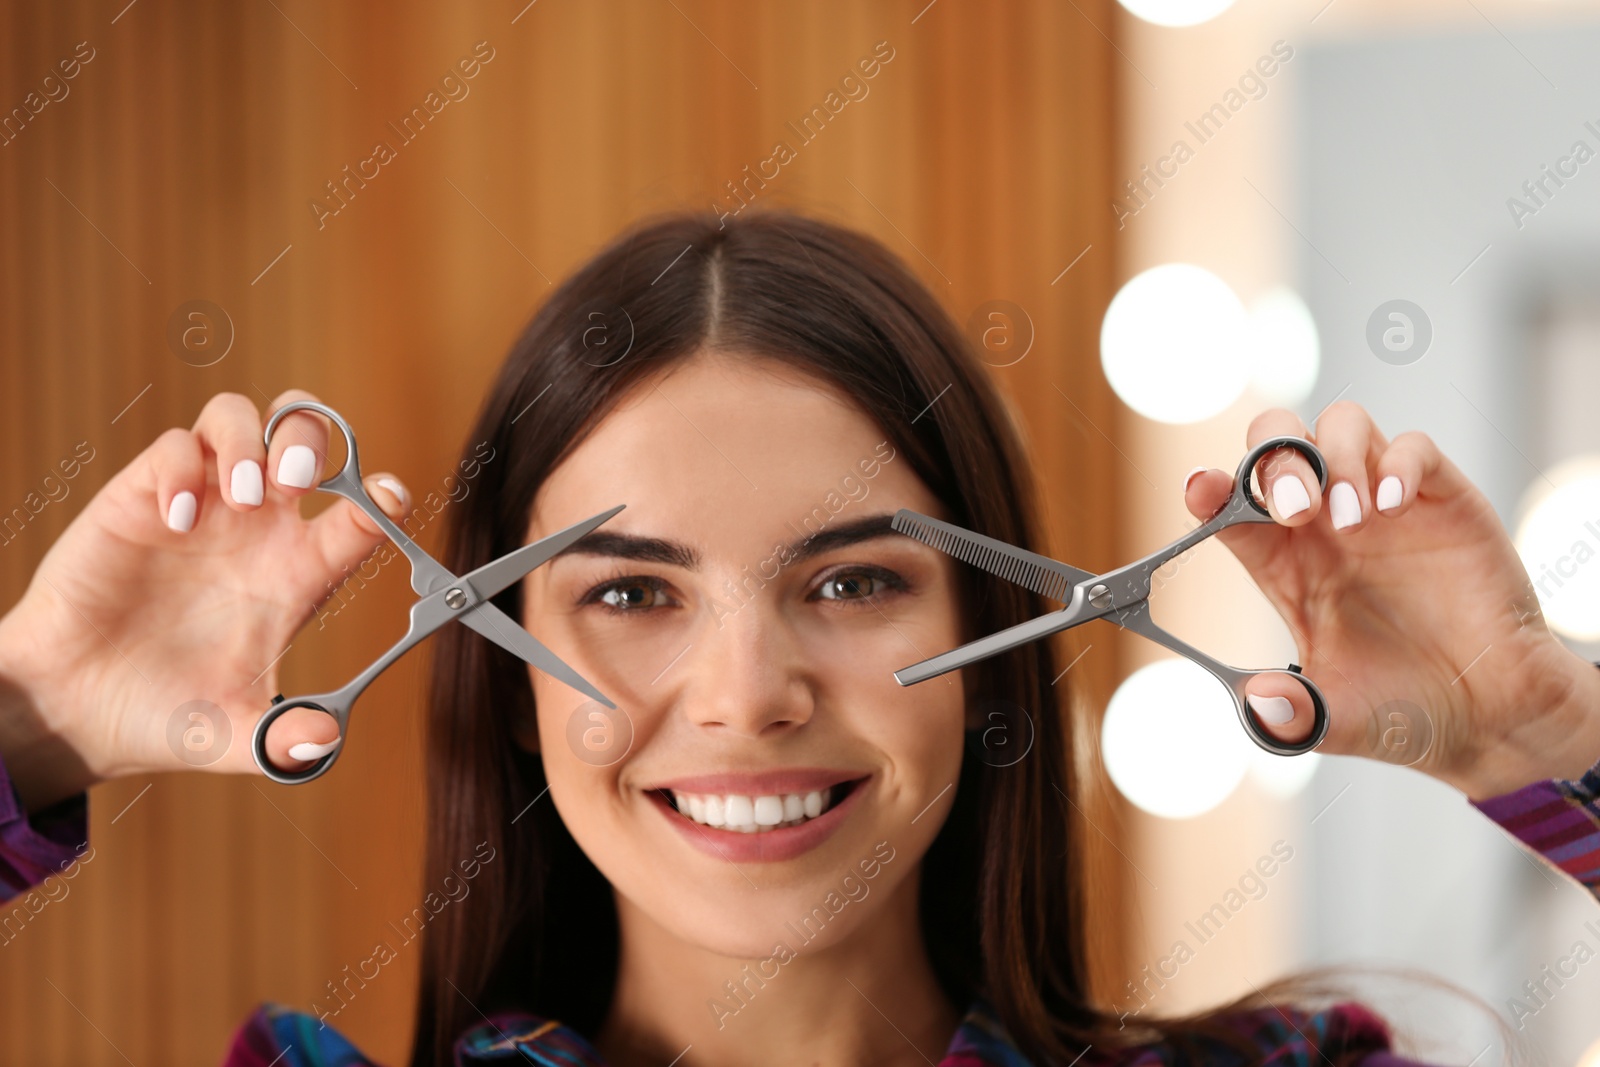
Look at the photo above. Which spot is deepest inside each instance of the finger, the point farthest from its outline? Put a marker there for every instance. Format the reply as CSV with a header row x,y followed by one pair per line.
x,y
299,737
346,535
299,449
1350,442
1205,490
1281,705
229,429
177,465
1289,485
1411,461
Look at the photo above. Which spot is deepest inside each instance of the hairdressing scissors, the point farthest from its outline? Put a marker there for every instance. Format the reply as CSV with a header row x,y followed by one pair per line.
x,y
443,597
1121,596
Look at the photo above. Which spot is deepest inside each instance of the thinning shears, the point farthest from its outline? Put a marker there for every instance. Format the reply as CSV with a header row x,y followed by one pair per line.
x,y
1121,596
443,597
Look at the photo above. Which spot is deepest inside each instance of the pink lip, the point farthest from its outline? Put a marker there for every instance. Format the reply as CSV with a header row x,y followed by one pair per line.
x,y
769,783
766,846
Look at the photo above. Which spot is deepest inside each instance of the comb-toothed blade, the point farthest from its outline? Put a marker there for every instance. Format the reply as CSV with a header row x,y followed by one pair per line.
x,y
1043,575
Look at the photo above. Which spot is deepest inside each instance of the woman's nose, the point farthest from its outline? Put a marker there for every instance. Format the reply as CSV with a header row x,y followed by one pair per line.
x,y
750,676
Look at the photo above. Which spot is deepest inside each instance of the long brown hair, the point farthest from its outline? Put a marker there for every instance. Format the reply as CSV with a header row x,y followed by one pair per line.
x,y
1003,917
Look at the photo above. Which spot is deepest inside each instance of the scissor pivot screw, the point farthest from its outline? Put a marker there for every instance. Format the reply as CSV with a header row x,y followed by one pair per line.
x,y
456,598
1100,596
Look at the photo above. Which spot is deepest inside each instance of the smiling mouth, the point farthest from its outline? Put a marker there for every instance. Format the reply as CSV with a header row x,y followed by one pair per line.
x,y
751,814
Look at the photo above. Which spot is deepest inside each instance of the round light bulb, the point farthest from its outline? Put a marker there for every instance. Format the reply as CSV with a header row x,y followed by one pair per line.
x,y
1177,12
1558,539
1171,740
1285,354
1172,344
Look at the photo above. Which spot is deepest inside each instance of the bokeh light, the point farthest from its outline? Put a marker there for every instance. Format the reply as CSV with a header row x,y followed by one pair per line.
x,y
1177,12
1558,539
1285,353
1172,344
1171,740
1282,776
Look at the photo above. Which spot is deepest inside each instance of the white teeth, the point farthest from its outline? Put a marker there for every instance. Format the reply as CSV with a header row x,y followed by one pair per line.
x,y
768,811
738,811
752,814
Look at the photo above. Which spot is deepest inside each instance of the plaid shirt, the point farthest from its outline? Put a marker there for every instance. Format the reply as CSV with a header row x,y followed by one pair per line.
x,y
1557,819
276,1036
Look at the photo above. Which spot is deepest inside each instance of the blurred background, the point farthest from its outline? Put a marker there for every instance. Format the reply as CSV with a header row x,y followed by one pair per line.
x,y
1155,217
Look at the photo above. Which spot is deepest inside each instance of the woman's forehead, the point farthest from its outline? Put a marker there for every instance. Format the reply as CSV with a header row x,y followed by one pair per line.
x,y
720,442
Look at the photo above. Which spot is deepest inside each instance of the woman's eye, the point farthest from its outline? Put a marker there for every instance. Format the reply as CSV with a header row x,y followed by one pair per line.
x,y
856,585
631,594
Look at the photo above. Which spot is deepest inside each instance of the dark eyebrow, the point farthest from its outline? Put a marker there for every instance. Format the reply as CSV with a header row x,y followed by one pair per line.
x,y
677,554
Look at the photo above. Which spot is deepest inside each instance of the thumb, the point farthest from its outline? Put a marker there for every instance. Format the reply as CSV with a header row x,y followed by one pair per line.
x,y
1205,491
299,737
346,535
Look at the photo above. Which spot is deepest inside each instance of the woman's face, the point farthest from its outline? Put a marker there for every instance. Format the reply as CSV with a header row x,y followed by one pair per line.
x,y
745,612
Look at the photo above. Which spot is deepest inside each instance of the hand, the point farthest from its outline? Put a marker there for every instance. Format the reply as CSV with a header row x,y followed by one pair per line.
x,y
183,579
1416,619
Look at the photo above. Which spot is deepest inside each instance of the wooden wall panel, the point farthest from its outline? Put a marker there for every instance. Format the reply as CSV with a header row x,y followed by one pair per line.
x,y
180,167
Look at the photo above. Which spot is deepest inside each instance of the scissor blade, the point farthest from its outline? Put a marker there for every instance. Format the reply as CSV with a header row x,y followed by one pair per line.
x,y
993,645
1030,570
490,578
494,624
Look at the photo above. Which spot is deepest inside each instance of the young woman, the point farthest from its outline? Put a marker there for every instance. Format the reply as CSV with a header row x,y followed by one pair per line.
x,y
788,386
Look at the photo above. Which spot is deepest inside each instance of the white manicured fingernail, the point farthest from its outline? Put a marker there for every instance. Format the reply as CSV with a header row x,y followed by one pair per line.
x,y
1389,493
245,483
397,489
1344,505
297,467
306,750
1187,478
1274,711
180,513
1289,496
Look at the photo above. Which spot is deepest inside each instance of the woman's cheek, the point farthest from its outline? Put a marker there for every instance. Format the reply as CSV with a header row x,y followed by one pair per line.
x,y
578,787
